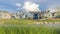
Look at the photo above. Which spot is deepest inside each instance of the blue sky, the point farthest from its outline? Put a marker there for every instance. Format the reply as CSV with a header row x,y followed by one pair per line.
x,y
16,5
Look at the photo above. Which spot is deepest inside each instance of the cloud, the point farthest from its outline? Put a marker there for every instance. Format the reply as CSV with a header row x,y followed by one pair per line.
x,y
30,6
37,1
18,4
53,7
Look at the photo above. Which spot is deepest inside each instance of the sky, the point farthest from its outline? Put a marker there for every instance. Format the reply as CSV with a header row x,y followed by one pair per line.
x,y
29,5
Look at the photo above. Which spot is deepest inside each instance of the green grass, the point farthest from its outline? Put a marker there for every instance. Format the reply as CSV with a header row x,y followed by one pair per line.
x,y
23,21
22,26
28,30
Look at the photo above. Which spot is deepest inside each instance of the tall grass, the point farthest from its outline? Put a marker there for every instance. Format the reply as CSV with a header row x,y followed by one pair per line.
x,y
40,29
22,26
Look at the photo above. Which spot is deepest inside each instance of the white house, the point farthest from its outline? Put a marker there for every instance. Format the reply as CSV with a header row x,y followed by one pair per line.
x,y
49,14
30,14
5,15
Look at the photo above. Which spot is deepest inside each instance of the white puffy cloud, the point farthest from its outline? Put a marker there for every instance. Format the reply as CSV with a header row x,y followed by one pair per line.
x,y
53,7
18,4
30,6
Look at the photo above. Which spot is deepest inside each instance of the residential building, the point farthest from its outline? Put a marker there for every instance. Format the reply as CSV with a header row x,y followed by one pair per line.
x,y
5,15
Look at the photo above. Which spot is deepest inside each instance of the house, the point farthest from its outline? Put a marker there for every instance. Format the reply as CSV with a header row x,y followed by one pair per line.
x,y
20,15
5,15
52,13
57,13
32,14
49,14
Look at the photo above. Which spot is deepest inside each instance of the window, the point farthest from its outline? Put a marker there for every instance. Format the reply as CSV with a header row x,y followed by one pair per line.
x,y
53,14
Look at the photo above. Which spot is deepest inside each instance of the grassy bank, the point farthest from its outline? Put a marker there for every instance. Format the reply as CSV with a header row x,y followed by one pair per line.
x,y
24,21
